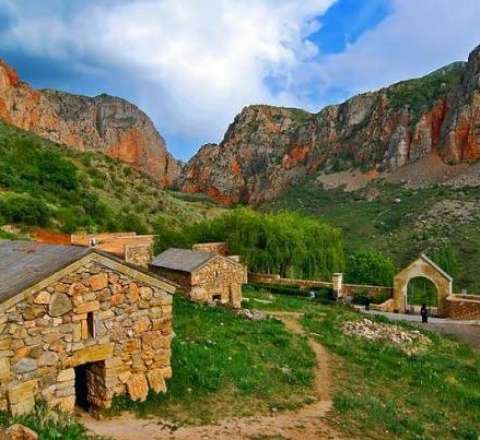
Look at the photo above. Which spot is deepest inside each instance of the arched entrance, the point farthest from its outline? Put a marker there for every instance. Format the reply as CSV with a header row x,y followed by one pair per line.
x,y
422,267
421,290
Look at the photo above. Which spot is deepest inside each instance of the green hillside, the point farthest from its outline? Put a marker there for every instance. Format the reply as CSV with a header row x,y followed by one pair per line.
x,y
400,222
48,185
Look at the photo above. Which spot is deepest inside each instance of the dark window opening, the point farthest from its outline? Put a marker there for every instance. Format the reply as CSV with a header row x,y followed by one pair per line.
x,y
81,386
91,324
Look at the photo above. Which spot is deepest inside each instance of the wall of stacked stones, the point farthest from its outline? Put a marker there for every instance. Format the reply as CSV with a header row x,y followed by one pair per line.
x,y
220,248
462,307
139,255
183,279
45,335
219,277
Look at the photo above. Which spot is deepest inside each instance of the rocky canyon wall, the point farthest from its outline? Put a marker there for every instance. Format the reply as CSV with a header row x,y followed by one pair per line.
x,y
103,123
267,149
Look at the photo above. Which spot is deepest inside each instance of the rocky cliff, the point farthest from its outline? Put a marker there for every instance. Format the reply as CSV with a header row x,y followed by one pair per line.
x,y
103,123
267,149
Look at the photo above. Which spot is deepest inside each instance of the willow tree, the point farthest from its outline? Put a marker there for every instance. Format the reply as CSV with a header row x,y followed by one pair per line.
x,y
286,243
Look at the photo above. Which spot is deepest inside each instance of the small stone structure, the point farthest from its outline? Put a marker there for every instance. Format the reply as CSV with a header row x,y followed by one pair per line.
x,y
78,327
219,247
133,248
204,276
422,267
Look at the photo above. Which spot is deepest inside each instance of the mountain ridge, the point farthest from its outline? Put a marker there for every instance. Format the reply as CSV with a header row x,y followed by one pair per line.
x,y
102,123
268,149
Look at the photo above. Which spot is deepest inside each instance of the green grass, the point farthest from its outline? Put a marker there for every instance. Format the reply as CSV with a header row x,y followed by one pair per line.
x,y
420,93
225,365
86,190
382,392
49,425
379,391
389,223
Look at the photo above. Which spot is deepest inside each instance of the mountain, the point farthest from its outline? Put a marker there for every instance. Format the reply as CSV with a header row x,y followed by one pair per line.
x,y
266,150
103,123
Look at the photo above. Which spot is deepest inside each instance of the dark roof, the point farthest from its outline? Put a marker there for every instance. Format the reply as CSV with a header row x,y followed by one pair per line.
x,y
184,260
25,263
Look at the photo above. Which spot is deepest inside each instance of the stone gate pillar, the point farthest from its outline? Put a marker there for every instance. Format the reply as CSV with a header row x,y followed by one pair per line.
x,y
337,285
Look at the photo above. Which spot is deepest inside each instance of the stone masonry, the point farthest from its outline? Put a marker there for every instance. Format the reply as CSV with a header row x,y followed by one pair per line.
x,y
99,314
203,276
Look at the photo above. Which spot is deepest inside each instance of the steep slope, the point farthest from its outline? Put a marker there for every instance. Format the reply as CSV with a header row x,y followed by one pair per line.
x,y
268,149
48,185
104,123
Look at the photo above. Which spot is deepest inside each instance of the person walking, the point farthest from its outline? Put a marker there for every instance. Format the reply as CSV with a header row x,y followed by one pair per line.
x,y
424,313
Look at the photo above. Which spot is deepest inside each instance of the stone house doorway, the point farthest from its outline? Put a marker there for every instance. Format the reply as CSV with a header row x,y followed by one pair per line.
x,y
89,384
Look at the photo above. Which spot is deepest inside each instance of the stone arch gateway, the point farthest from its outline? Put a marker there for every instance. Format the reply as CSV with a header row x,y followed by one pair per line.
x,y
422,267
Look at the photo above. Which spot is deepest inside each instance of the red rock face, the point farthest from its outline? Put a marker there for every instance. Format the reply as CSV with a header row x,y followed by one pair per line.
x,y
266,149
103,123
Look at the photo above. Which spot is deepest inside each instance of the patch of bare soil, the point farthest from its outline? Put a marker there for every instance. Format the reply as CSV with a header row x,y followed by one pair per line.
x,y
307,423
350,180
425,172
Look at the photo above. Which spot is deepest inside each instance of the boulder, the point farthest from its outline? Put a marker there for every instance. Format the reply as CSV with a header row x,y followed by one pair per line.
x,y
18,432
59,304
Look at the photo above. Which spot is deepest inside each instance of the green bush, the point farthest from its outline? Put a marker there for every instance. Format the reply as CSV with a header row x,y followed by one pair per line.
x,y
369,267
23,208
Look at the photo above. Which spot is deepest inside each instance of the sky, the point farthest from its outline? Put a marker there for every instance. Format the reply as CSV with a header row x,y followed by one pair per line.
x,y
192,65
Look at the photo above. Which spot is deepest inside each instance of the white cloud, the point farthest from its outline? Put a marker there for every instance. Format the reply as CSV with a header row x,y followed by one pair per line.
x,y
418,37
193,64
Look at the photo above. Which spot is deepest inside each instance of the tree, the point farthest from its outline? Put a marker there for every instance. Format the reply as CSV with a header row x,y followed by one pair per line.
x,y
369,267
446,258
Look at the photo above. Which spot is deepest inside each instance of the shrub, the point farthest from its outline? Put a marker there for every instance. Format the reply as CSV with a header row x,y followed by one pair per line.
x,y
369,267
132,222
23,208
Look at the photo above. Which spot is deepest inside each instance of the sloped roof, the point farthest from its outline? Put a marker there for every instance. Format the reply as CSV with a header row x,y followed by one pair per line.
x,y
184,260
25,263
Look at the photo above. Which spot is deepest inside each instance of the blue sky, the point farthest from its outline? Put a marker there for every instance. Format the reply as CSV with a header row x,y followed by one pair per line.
x,y
192,65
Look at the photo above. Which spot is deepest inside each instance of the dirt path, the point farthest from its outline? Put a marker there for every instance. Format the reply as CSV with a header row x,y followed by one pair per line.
x,y
307,423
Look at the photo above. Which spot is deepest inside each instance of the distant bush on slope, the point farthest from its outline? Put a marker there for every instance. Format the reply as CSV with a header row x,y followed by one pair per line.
x,y
71,191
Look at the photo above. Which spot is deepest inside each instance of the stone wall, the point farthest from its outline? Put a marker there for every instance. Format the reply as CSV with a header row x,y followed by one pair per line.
x,y
93,315
371,291
116,243
463,307
139,255
262,278
219,248
220,279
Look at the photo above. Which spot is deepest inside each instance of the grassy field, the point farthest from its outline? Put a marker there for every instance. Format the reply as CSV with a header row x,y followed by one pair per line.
x,y
69,191
397,222
380,392
227,365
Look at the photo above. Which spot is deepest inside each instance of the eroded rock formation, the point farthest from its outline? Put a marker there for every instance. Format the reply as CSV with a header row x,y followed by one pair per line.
x,y
267,149
102,123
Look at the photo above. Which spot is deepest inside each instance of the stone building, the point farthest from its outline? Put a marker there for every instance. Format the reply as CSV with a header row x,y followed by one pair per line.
x,y
133,248
204,276
79,327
